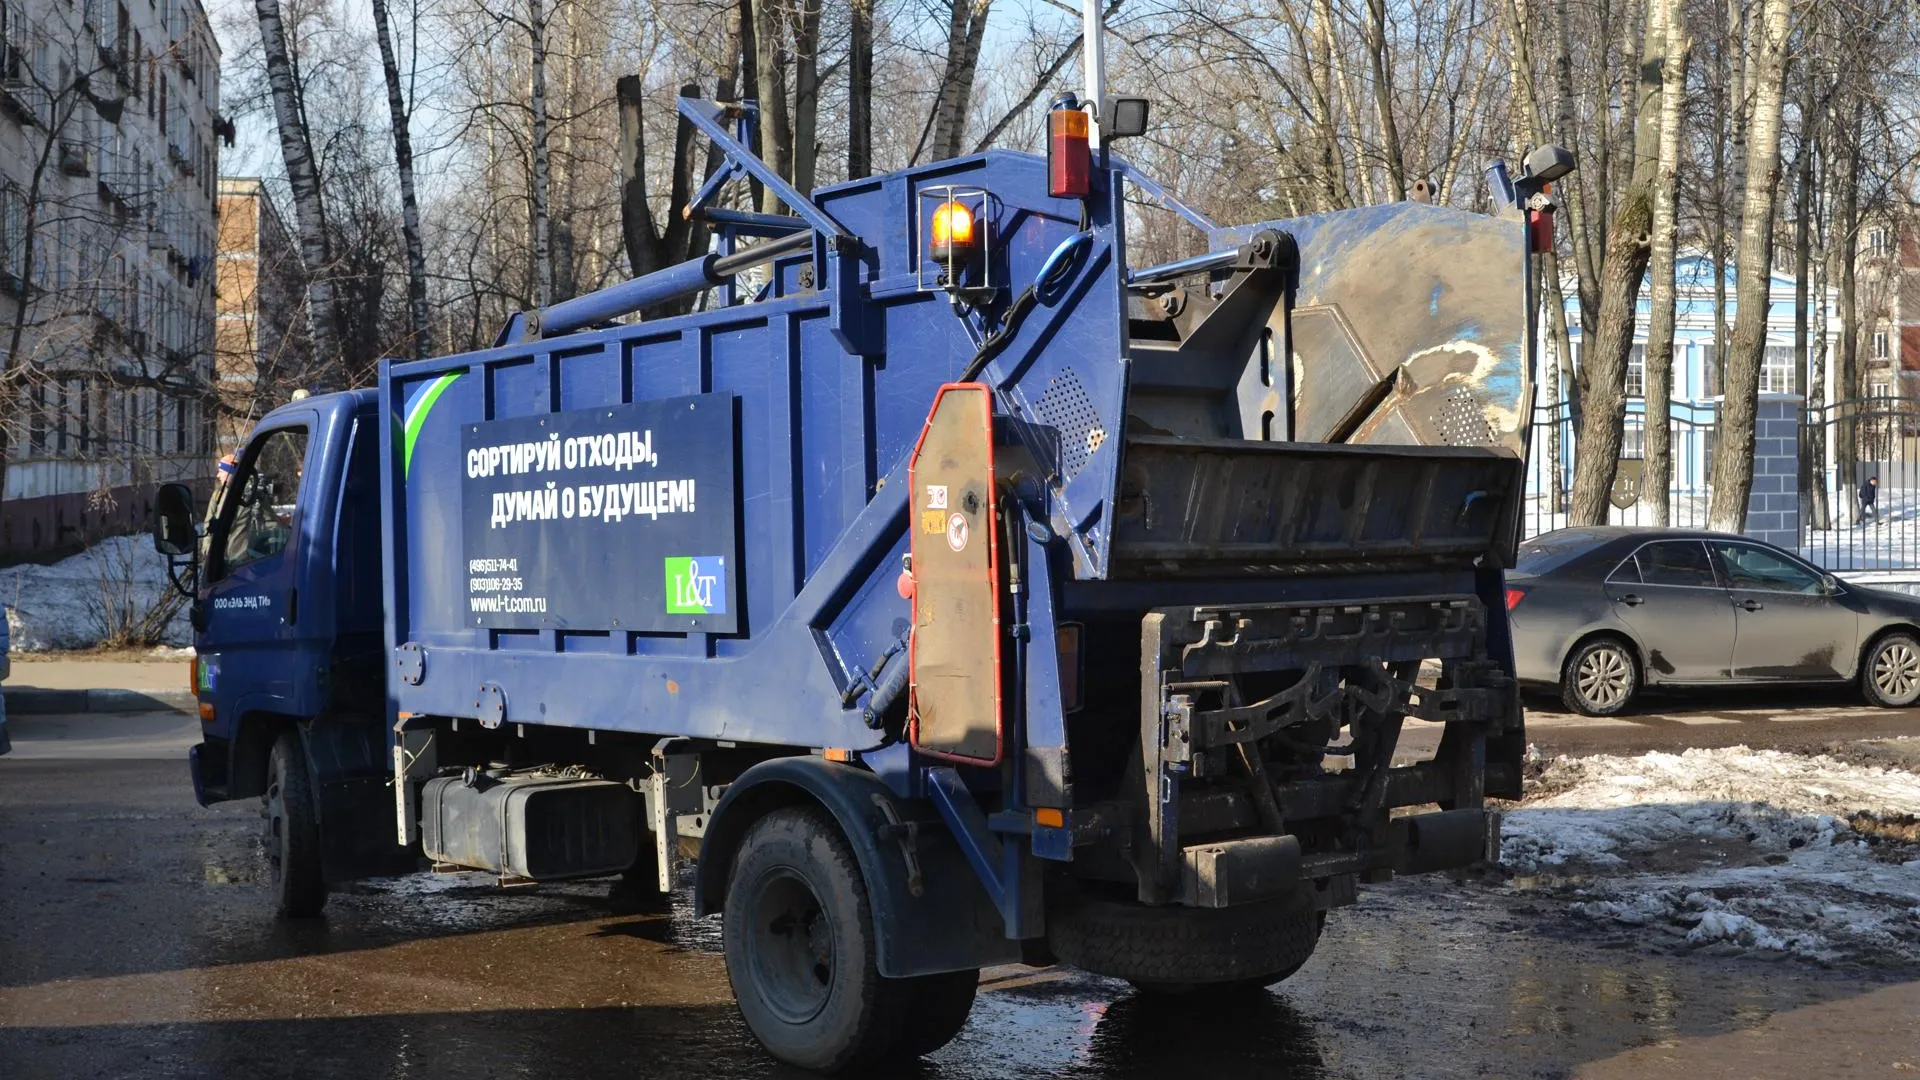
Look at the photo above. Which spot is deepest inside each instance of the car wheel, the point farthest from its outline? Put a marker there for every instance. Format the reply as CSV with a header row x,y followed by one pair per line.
x,y
292,831
1891,676
1600,678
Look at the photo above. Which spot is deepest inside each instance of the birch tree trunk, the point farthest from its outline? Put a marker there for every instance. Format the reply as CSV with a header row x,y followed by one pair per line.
x,y
542,237
1846,392
1822,515
966,26
409,204
1628,247
1657,478
303,177
1733,456
1802,266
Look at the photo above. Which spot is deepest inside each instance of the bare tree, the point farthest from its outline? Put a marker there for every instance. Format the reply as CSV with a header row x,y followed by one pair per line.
x,y
860,91
966,29
1658,470
1628,248
303,177
1732,477
409,200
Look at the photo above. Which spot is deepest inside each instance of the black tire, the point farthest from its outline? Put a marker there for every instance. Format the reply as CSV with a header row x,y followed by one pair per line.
x,y
942,1004
1236,988
1180,950
292,831
1890,672
798,934
1600,678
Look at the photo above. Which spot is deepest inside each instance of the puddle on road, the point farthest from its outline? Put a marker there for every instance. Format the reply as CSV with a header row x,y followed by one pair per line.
x,y
1422,979
443,976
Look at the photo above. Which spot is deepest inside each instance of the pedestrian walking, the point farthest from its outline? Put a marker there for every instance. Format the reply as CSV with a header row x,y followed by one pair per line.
x,y
1869,492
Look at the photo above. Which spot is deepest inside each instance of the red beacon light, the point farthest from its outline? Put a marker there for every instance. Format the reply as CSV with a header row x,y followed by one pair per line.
x,y
1069,154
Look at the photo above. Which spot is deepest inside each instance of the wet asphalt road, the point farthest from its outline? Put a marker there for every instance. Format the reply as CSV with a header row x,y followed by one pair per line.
x,y
134,942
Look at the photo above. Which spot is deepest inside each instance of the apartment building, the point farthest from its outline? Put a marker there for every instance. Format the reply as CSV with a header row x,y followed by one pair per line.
x,y
257,280
109,131
1890,295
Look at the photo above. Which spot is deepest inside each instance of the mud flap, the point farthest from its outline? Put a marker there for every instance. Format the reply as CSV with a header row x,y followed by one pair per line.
x,y
956,704
352,786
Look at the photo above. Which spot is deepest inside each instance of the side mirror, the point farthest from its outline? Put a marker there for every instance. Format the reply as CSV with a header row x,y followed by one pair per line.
x,y
173,533
1123,118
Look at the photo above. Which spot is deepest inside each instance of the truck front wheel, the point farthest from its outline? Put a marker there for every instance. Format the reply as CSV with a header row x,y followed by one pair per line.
x,y
798,931
292,831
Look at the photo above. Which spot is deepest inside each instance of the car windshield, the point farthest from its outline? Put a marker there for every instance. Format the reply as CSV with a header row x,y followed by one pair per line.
x,y
1544,554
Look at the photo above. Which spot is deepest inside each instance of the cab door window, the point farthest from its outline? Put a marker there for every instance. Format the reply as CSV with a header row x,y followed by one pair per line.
x,y
259,514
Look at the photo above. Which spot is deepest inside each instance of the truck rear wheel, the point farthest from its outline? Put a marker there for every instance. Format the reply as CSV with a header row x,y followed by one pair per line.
x,y
292,831
800,949
1183,950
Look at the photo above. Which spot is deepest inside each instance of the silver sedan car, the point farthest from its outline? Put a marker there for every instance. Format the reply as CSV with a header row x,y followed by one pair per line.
x,y
1599,614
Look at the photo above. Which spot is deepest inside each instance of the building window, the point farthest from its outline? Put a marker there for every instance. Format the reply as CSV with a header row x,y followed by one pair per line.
x,y
1879,344
1633,439
1879,242
36,419
1637,371
1778,371
13,230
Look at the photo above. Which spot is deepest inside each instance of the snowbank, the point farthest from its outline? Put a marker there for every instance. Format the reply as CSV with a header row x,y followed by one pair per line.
x,y
1732,849
60,606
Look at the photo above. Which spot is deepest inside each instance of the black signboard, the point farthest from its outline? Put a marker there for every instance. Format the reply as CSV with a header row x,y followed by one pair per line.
x,y
619,518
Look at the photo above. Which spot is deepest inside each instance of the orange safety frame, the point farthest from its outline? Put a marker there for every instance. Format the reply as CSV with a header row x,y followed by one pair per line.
x,y
915,533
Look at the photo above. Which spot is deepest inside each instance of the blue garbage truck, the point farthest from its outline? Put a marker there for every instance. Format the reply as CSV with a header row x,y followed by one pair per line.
x,y
923,581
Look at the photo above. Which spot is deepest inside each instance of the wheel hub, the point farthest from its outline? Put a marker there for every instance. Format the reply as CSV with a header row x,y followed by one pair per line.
x,y
1896,671
1604,677
791,944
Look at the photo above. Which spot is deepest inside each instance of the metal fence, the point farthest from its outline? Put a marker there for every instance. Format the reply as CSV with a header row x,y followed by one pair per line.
x,y
1846,448
1860,484
1550,471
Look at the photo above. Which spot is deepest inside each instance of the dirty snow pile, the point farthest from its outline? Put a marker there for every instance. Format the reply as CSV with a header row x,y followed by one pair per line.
x,y
1733,850
63,606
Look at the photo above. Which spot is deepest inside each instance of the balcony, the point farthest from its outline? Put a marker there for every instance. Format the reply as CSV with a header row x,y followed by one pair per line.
x,y
19,97
75,159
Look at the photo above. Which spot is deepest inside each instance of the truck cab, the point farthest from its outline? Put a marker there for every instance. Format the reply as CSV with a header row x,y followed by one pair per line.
x,y
288,621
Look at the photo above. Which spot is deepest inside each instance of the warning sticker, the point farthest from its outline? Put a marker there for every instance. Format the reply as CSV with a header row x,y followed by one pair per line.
x,y
957,532
936,496
933,521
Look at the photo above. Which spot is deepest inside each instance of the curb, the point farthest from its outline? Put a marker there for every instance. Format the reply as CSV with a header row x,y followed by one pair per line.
x,y
34,701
